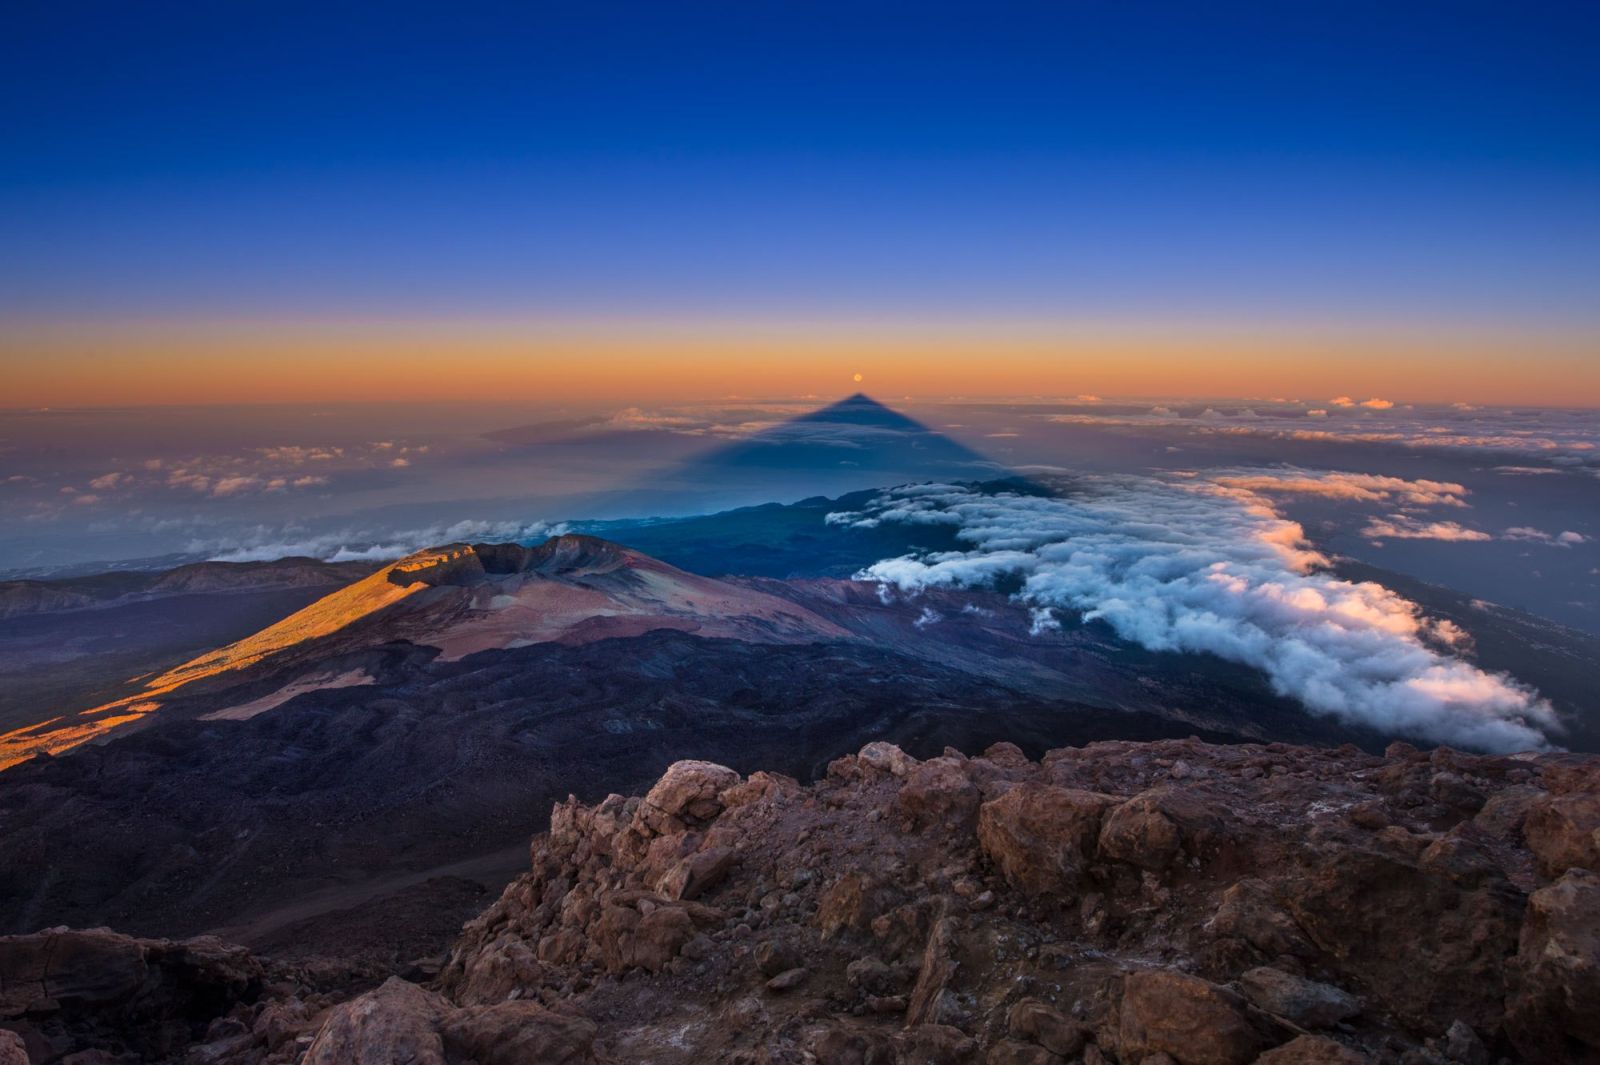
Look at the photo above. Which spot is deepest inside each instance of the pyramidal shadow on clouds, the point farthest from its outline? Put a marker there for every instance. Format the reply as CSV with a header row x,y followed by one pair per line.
x,y
846,446
858,432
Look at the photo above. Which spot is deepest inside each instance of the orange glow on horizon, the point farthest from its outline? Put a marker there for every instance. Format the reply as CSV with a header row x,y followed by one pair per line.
x,y
143,364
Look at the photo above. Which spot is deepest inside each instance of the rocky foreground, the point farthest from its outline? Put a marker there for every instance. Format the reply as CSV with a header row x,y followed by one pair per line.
x,y
1143,904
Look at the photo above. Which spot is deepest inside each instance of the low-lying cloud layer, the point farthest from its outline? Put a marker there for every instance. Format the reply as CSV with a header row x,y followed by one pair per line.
x,y
351,545
1558,439
1191,564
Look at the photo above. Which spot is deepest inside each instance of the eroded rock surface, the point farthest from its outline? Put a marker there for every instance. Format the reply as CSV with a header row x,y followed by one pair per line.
x,y
1170,903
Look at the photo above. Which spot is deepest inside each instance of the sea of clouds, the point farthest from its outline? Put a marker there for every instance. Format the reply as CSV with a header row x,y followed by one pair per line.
x,y
1208,564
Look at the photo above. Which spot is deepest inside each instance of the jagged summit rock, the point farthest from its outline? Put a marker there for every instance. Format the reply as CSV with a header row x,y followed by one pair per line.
x,y
463,565
1308,905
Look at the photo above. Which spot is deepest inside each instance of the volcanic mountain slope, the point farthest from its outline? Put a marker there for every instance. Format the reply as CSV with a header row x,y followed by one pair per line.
x,y
23,598
293,778
1172,903
460,599
68,645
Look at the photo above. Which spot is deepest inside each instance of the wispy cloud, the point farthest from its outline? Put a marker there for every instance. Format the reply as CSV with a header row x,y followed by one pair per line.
x,y
1405,527
1357,487
1568,440
347,545
1539,536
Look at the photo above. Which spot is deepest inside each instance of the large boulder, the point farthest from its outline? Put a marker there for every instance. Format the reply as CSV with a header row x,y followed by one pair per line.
x,y
1041,837
688,793
1159,827
885,758
397,1022
74,969
1192,1020
1431,949
517,1033
694,875
12,1050
1250,913
1040,1023
939,793
1563,832
629,938
1552,1013
152,992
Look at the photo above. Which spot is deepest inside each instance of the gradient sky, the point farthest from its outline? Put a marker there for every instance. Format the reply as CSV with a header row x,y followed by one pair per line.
x,y
214,202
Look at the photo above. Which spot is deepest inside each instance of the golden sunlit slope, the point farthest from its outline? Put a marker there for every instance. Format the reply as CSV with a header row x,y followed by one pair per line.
x,y
327,615
462,600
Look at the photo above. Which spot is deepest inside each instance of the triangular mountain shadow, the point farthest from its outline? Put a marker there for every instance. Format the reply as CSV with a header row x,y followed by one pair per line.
x,y
857,432
846,446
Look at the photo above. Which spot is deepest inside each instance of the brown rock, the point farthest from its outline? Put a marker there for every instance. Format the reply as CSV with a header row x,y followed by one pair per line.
x,y
1506,812
12,1051
1015,1052
1250,912
873,976
1038,1022
938,792
396,1022
1563,832
628,939
927,1005
773,956
69,968
688,792
1007,755
1430,949
1041,837
515,1033
701,871
760,785
787,980
1195,1021
850,904
1305,1002
1551,1012
886,758
1139,832
279,1022
1157,828
934,1044
842,1045
1312,1050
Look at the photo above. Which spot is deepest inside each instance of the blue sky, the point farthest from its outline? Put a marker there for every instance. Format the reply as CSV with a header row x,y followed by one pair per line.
x,y
1417,163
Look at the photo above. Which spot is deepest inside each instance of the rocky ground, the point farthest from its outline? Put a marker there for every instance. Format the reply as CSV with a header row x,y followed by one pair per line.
x,y
1133,903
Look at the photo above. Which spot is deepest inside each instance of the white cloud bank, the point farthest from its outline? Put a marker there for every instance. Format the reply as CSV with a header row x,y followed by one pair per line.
x,y
1192,565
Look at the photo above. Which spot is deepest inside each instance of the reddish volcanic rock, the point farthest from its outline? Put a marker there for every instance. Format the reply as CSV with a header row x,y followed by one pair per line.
x,y
1042,838
1120,904
1312,1050
1563,832
12,1050
1553,1009
1189,1019
397,1022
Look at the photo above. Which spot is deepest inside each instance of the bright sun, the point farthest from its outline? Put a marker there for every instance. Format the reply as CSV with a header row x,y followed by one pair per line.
x,y
858,377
